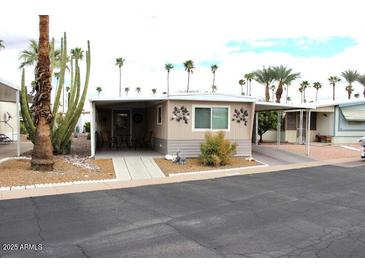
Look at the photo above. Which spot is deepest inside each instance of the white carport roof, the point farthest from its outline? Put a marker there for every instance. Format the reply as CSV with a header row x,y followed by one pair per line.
x,y
215,97
270,106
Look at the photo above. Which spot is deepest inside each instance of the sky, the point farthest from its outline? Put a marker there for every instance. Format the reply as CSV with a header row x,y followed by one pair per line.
x,y
316,38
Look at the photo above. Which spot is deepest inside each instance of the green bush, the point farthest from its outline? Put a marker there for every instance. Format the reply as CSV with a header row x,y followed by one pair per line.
x,y
216,150
87,127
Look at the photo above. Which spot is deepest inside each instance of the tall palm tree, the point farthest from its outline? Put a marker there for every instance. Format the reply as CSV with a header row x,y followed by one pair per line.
x,y
120,62
189,66
350,76
242,82
282,75
99,90
77,53
168,68
42,155
265,76
29,56
213,69
333,81
126,90
303,86
138,89
2,46
317,86
361,80
249,77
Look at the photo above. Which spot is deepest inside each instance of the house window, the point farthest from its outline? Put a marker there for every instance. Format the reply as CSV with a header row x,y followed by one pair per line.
x,y
211,118
159,115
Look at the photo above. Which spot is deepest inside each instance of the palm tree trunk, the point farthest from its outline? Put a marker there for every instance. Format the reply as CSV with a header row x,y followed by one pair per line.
x,y
250,87
241,89
168,82
279,92
247,89
187,88
42,155
267,93
334,92
349,92
316,95
213,81
120,81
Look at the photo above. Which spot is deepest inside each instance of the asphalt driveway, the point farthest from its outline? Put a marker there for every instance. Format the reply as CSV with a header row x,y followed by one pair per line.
x,y
312,212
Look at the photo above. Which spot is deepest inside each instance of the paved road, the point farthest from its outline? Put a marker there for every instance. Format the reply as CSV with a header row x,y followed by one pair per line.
x,y
273,156
313,212
9,150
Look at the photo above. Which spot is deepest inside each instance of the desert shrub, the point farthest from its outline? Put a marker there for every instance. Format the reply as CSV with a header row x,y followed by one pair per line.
x,y
87,127
216,150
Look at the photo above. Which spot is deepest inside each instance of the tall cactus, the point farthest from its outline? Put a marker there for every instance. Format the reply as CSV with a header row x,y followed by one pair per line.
x,y
62,125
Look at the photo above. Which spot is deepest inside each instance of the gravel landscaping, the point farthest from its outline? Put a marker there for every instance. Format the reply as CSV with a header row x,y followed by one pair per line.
x,y
193,165
18,172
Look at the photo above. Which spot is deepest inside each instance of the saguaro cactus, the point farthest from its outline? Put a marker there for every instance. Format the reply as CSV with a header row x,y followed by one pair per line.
x,y
62,124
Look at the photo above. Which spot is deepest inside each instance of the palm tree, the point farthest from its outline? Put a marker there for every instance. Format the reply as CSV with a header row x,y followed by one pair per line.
x,y
214,68
99,90
29,57
303,86
168,68
42,155
189,66
317,86
283,75
265,77
138,89
126,90
120,62
350,76
154,91
214,88
249,77
333,81
77,54
361,80
2,46
242,82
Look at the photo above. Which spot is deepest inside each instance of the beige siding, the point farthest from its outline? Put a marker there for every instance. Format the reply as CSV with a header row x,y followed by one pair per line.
x,y
159,131
180,130
325,123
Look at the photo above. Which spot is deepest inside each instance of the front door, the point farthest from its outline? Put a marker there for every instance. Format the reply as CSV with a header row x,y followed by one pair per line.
x,y
121,123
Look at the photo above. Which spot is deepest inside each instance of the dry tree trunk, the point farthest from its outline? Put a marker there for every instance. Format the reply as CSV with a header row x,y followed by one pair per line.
x,y
42,156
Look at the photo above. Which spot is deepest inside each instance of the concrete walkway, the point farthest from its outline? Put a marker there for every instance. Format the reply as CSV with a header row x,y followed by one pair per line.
x,y
136,168
9,150
273,155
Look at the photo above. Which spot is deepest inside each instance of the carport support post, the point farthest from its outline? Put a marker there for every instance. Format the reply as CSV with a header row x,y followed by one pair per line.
x,y
308,131
17,125
256,128
301,127
92,129
278,129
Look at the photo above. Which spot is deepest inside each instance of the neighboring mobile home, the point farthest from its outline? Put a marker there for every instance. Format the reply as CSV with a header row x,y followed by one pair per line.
x,y
8,110
173,123
332,122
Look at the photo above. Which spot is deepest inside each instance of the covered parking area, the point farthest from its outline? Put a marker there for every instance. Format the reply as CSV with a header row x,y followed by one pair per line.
x,y
281,110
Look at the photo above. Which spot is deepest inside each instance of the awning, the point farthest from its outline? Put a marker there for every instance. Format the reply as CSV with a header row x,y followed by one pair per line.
x,y
357,115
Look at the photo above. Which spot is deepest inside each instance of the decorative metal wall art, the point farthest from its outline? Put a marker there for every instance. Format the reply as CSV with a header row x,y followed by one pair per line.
x,y
180,114
240,115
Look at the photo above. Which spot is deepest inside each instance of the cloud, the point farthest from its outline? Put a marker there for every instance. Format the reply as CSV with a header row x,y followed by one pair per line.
x,y
299,47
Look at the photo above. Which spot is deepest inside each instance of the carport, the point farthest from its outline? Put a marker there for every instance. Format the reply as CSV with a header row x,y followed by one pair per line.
x,y
281,109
